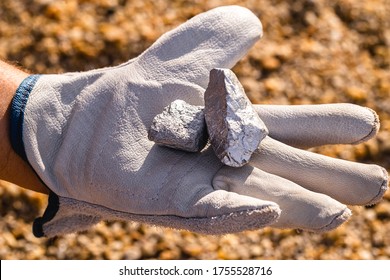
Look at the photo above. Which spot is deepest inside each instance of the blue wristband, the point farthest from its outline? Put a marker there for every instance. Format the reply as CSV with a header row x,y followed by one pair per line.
x,y
18,107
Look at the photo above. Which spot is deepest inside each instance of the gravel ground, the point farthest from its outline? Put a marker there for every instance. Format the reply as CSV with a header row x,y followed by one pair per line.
x,y
312,52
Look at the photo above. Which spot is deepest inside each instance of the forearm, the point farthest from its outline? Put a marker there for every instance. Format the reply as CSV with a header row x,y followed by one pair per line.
x,y
12,168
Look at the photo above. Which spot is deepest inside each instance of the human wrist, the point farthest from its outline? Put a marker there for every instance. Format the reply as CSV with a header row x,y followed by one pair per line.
x,y
12,167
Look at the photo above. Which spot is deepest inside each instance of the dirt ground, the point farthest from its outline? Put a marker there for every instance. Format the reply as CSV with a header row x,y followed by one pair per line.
x,y
312,52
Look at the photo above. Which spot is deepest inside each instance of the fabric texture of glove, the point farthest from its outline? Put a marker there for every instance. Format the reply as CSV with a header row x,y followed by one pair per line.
x,y
85,135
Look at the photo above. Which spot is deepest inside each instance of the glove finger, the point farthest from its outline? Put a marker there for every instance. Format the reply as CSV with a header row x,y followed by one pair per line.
x,y
301,208
189,196
219,212
314,125
217,38
222,212
351,183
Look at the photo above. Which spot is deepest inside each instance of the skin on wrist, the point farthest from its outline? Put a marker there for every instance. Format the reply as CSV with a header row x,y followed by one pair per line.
x,y
13,168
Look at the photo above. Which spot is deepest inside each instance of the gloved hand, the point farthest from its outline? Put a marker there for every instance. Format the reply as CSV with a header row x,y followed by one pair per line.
x,y
85,135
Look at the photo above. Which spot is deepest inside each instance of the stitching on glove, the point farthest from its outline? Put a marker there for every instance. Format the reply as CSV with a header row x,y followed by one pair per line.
x,y
382,189
336,221
18,107
375,127
168,175
99,155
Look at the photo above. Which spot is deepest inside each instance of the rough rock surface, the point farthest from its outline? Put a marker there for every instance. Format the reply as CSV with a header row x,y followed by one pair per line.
x,y
180,126
235,129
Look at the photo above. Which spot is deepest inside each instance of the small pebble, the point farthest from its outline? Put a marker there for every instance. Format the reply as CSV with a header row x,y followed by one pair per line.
x,y
234,127
180,126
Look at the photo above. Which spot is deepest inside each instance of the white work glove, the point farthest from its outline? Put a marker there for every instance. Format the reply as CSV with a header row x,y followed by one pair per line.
x,y
85,135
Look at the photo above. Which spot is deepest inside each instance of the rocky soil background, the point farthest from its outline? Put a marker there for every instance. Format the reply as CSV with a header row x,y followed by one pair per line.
x,y
312,52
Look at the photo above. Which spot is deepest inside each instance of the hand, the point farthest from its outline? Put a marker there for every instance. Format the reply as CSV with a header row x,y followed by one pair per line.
x,y
310,189
85,134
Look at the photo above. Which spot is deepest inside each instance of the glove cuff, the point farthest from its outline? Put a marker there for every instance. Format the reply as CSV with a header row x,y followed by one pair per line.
x,y
48,215
64,216
18,106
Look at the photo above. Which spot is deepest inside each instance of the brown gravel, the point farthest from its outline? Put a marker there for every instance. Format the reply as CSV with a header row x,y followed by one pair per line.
x,y
312,52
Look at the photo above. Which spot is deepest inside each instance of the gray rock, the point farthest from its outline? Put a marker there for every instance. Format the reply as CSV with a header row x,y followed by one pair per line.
x,y
180,126
234,127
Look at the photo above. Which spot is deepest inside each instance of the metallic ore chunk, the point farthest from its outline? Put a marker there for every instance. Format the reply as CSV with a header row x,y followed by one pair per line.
x,y
234,128
180,126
